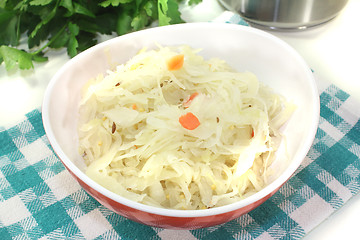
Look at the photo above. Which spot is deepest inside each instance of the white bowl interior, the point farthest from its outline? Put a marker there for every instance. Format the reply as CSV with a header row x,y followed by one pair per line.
x,y
244,48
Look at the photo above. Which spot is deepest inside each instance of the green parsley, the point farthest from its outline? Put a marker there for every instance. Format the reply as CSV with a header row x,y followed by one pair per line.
x,y
72,24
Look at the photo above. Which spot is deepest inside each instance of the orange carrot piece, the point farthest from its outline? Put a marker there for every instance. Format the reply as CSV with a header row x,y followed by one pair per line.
x,y
189,121
134,106
176,62
192,96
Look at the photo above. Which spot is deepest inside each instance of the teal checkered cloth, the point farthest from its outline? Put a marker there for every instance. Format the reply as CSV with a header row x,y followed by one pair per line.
x,y
40,199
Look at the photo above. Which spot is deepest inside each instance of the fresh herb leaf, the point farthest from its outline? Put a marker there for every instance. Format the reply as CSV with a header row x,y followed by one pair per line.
x,y
23,5
168,12
83,10
103,24
150,8
139,22
173,12
12,57
194,2
60,42
40,2
73,24
38,58
73,43
85,41
44,21
9,21
67,4
114,3
163,8
123,24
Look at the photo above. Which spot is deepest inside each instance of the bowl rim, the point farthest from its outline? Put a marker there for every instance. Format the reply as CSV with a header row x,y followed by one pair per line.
x,y
269,189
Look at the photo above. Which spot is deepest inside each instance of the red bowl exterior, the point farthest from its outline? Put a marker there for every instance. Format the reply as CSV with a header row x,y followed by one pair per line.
x,y
169,222
303,75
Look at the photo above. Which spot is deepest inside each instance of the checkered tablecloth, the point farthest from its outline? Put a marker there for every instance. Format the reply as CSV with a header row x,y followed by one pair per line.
x,y
40,200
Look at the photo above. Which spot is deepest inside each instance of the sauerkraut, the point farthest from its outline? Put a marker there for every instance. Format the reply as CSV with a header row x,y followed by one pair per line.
x,y
134,143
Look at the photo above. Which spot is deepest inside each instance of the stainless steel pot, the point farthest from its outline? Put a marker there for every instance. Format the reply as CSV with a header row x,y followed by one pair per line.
x,y
286,14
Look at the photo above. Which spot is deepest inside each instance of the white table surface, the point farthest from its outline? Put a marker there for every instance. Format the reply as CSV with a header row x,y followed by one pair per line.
x,y
332,50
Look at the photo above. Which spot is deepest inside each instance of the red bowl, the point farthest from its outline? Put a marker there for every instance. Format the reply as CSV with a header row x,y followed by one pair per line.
x,y
272,60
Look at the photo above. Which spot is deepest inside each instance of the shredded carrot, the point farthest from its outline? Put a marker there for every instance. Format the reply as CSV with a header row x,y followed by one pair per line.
x,y
134,107
192,96
189,121
252,133
176,62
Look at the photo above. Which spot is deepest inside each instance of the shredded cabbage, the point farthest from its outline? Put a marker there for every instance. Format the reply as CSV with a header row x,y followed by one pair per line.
x,y
134,145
